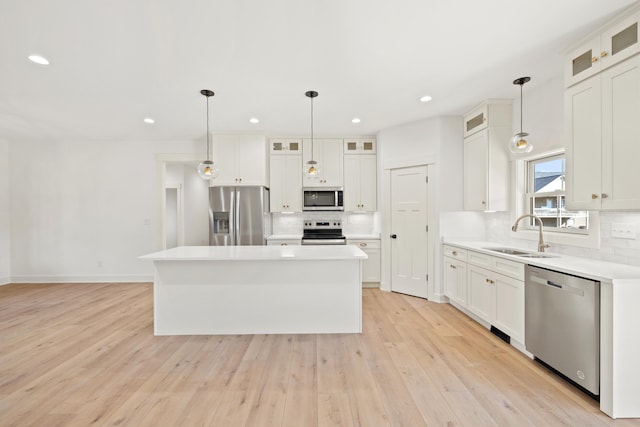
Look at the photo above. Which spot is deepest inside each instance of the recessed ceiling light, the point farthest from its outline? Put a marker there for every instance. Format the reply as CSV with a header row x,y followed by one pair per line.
x,y
39,59
355,120
254,120
149,120
425,98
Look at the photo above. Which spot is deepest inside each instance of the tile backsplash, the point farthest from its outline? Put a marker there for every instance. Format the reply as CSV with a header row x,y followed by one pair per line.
x,y
352,223
613,249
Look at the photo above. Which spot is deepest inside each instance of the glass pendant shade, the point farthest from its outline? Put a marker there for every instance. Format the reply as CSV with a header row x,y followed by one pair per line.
x,y
519,143
311,169
207,169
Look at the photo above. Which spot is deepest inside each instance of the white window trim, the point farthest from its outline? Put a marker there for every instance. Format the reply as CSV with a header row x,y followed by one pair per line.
x,y
583,240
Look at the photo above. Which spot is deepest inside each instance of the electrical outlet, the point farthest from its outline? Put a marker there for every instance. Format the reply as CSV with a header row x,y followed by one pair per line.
x,y
623,230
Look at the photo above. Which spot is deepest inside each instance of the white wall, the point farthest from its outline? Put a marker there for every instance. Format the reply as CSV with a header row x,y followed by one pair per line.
x,y
439,142
84,211
543,115
5,230
196,208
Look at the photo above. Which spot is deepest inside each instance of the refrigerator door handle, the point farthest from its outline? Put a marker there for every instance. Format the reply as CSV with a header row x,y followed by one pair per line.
x,y
237,238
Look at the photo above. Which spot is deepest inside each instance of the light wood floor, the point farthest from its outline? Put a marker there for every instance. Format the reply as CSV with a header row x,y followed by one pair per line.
x,y
85,354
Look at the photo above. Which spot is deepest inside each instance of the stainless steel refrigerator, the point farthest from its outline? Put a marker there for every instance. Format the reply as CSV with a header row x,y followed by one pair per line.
x,y
239,216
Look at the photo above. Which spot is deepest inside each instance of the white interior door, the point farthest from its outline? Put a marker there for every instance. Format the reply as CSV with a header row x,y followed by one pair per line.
x,y
409,232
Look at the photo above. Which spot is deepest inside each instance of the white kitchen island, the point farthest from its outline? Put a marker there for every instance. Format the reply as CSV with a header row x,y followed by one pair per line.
x,y
223,290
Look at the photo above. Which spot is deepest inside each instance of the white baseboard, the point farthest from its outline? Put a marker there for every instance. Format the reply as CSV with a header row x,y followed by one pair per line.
x,y
5,280
83,279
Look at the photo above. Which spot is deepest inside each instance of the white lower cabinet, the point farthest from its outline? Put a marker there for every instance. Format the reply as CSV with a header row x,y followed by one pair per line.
x,y
481,292
371,265
455,275
489,288
509,309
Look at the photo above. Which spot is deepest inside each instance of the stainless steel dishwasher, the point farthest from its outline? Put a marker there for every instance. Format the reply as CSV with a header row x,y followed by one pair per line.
x,y
562,324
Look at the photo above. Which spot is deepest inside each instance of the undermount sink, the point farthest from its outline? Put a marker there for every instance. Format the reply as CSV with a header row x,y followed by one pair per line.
x,y
520,253
509,251
536,255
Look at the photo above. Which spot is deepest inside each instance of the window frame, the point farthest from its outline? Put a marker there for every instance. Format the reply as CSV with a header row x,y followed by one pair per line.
x,y
530,194
590,240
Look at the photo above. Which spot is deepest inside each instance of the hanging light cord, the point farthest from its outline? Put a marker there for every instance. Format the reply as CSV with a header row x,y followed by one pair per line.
x,y
522,84
311,128
208,158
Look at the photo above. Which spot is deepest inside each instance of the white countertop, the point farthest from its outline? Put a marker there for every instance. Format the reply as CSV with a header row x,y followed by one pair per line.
x,y
259,253
602,271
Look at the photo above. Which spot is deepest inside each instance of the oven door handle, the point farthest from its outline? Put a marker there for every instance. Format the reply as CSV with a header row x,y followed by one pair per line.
x,y
323,242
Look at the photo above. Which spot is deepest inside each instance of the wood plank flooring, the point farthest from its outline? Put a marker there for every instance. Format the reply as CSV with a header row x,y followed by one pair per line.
x,y
85,354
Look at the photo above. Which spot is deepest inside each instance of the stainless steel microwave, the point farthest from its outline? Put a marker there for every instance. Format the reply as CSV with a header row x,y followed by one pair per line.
x,y
322,199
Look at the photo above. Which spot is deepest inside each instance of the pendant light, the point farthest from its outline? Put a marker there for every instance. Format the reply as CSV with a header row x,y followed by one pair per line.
x,y
207,169
311,169
519,143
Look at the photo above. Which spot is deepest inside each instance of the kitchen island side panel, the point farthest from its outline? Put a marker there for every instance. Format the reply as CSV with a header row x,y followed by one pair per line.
x,y
214,297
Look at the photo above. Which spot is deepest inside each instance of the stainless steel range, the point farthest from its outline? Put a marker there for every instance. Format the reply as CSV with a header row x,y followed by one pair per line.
x,y
323,232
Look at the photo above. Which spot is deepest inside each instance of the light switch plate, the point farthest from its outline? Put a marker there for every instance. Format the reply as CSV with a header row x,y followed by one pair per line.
x,y
623,230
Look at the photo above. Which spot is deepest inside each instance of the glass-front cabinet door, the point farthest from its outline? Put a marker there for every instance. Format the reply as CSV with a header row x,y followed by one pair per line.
x,y
610,46
582,62
620,41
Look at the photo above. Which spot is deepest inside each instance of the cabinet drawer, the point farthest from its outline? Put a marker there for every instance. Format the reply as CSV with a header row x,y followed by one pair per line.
x,y
481,260
507,267
456,253
365,244
284,242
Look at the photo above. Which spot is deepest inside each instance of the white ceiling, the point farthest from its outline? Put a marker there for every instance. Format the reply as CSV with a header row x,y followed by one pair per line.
x,y
115,62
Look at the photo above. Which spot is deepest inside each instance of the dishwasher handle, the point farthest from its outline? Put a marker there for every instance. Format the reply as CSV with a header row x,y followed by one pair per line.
x,y
566,288
554,284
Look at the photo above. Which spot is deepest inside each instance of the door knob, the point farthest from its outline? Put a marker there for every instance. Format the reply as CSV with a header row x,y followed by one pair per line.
x,y
393,236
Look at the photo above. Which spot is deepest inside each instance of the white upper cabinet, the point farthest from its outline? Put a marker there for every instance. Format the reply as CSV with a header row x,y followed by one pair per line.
x,y
242,159
285,146
286,183
360,183
329,155
601,113
610,45
359,146
602,150
486,157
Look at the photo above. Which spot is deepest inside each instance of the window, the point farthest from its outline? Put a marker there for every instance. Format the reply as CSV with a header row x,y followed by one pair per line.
x,y
546,198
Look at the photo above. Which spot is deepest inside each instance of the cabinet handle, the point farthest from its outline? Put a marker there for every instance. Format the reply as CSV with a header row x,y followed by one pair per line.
x,y
594,59
454,253
604,195
283,244
363,244
594,196
484,203
452,266
603,54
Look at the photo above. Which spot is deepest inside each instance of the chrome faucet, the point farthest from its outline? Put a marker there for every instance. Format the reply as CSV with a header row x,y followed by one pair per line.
x,y
541,244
